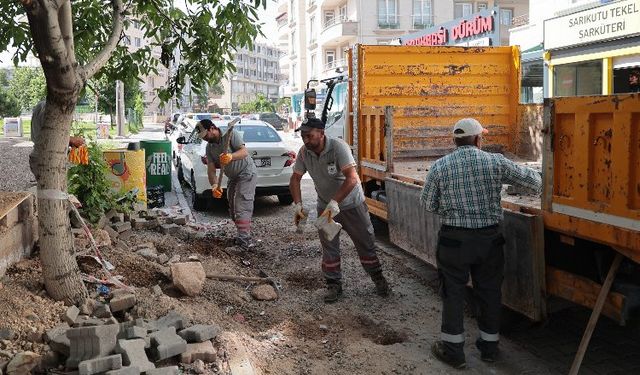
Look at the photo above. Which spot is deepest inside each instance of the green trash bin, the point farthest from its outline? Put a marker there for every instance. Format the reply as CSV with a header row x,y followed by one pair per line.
x,y
158,163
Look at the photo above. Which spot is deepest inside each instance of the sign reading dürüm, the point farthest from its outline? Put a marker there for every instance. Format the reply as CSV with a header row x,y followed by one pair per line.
x,y
606,22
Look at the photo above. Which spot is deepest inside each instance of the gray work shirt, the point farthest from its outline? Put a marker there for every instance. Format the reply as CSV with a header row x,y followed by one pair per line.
x,y
326,171
237,168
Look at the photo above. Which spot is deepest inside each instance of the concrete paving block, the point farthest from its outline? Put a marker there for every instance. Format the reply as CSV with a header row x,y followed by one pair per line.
x,y
122,301
56,331
199,333
169,229
203,351
180,220
139,223
87,321
171,370
102,311
133,354
111,232
90,343
61,344
124,371
136,332
71,314
172,319
98,365
122,226
166,344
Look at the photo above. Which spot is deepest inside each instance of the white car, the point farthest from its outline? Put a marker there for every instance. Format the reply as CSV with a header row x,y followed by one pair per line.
x,y
273,159
182,127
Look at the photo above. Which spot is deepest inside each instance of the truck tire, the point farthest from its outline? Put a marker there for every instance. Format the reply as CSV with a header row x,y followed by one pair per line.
x,y
285,199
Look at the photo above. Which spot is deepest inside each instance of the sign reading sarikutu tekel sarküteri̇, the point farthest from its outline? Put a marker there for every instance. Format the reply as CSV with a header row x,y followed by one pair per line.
x,y
611,21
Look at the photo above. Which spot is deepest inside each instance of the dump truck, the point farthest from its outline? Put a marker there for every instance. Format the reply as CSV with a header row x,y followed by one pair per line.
x,y
400,105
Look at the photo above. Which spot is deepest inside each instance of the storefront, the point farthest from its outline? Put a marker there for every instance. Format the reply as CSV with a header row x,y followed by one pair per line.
x,y
594,51
478,29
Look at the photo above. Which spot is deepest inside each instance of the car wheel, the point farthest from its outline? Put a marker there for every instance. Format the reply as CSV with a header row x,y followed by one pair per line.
x,y
180,171
199,202
285,199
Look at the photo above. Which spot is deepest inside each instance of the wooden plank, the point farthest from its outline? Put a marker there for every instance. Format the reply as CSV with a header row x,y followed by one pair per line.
x,y
583,291
377,208
375,149
11,200
388,136
595,315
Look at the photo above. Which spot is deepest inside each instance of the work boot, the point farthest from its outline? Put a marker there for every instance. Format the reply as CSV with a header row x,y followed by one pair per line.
x,y
489,351
245,243
440,351
382,287
334,291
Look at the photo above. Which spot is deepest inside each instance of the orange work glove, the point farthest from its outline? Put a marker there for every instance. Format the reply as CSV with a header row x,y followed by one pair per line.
x,y
216,192
225,158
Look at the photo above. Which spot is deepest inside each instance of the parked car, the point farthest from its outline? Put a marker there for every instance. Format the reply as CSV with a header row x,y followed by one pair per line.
x,y
273,159
200,116
182,128
273,119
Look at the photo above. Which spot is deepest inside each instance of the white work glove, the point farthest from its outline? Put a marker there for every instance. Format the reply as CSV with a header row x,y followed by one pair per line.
x,y
300,213
331,211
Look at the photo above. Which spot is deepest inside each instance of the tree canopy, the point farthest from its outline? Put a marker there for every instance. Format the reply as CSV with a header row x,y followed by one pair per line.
x,y
260,104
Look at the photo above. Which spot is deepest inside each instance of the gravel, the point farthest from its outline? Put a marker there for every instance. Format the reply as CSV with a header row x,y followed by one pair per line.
x,y
14,164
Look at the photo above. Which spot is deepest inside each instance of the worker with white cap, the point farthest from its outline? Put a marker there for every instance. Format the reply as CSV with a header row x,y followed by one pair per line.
x,y
464,188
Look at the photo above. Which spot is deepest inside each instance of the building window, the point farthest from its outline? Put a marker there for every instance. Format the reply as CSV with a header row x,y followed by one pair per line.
x,y
313,65
462,10
312,29
292,10
329,18
387,14
330,59
343,12
583,78
138,42
506,16
294,68
626,79
422,14
482,6
293,42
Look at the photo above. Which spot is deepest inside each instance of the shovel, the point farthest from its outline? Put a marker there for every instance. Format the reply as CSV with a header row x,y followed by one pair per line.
x,y
328,228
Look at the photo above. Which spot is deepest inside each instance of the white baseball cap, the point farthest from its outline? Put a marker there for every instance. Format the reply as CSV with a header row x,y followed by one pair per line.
x,y
468,127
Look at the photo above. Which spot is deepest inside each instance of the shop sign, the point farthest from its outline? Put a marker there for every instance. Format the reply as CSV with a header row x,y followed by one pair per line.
x,y
462,32
612,21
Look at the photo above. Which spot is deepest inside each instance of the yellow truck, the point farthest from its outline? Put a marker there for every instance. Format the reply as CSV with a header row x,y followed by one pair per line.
x,y
396,108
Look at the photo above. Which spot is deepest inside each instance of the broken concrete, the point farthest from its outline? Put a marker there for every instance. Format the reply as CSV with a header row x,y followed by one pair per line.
x,y
202,350
112,233
171,229
199,333
71,314
99,365
102,311
124,371
122,300
136,332
122,226
133,354
23,363
172,370
166,344
264,292
188,277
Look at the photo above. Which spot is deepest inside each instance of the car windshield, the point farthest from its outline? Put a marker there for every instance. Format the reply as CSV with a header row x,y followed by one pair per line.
x,y
255,133
202,116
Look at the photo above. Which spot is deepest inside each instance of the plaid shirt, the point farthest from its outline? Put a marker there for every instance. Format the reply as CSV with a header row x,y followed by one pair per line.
x,y
464,187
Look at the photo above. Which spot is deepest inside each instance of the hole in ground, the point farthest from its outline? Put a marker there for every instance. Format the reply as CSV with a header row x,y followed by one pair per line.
x,y
380,333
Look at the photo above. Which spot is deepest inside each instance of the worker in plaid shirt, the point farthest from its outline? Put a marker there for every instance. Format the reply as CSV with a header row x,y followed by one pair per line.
x,y
464,189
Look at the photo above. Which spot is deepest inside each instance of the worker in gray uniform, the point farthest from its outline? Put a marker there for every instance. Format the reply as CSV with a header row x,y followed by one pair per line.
x,y
464,188
340,197
241,172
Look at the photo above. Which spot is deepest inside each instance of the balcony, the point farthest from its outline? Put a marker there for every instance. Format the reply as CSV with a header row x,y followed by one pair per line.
x,y
388,22
331,3
329,68
282,20
520,20
312,5
337,31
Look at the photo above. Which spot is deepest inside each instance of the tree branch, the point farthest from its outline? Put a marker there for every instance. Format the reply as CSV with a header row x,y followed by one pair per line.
x,y
66,29
103,56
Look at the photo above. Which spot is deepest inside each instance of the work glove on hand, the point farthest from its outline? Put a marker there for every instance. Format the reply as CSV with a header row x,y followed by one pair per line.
x,y
216,191
225,158
300,213
331,211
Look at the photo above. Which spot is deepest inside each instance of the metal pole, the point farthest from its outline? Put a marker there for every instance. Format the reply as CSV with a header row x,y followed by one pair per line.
x,y
120,108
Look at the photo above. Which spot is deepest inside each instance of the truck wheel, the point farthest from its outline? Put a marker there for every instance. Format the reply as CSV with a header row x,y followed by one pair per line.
x,y
285,199
199,202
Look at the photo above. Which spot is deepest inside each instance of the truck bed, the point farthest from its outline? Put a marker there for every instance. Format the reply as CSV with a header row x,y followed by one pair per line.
x,y
415,172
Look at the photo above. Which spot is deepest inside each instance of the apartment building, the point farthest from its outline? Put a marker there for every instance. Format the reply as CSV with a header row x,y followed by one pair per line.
x,y
134,40
257,72
317,33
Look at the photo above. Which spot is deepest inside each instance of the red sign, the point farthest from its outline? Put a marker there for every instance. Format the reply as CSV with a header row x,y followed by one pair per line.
x,y
464,29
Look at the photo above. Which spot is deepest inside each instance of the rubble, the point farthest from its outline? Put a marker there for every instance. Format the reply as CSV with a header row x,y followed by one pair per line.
x,y
188,277
133,354
90,343
99,365
199,333
166,344
122,300
199,351
23,363
264,292
71,314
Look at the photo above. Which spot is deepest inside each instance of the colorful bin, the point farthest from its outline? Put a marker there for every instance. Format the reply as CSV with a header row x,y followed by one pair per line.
x,y
126,171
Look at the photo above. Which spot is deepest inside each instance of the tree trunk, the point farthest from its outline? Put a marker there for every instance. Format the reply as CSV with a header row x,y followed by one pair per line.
x,y
51,123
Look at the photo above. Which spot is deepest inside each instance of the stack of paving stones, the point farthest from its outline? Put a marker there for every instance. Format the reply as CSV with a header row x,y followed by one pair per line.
x,y
121,225
92,341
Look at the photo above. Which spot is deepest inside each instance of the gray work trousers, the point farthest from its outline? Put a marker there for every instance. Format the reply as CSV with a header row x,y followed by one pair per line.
x,y
479,253
241,192
357,223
